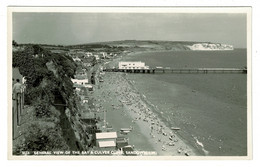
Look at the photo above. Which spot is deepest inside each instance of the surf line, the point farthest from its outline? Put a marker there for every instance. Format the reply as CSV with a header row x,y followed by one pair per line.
x,y
201,145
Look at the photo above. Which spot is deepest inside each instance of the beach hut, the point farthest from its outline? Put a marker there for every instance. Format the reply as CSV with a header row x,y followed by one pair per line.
x,y
106,140
128,150
121,142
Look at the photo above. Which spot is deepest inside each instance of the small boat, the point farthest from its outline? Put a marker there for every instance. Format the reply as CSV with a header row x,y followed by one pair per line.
x,y
124,132
127,130
175,128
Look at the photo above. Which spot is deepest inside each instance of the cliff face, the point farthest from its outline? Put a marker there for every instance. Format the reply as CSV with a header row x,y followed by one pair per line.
x,y
210,46
48,90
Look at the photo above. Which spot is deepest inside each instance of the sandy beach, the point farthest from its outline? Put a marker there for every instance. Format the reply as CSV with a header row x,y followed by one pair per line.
x,y
123,107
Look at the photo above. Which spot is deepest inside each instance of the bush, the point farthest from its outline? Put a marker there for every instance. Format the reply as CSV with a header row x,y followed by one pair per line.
x,y
42,109
42,88
42,137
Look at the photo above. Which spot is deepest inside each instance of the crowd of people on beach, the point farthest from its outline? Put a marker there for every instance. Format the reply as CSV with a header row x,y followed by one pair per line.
x,y
118,87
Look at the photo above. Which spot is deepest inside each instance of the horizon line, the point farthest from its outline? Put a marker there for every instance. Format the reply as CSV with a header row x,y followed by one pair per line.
x,y
125,40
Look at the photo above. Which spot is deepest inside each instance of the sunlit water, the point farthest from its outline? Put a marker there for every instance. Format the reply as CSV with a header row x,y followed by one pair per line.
x,y
210,109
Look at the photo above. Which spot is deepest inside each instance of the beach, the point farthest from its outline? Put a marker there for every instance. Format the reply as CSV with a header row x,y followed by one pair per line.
x,y
210,109
122,106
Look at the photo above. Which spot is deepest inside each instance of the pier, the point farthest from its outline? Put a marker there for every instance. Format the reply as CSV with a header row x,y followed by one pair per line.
x,y
181,70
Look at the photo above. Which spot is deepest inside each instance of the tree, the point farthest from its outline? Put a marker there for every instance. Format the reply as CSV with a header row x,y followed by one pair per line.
x,y
14,43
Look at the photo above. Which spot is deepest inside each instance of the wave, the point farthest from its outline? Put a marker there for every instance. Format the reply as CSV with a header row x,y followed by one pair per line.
x,y
201,145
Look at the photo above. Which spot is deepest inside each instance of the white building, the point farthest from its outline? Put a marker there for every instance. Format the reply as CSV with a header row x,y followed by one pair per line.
x,y
132,65
106,140
76,59
83,82
103,55
96,57
88,54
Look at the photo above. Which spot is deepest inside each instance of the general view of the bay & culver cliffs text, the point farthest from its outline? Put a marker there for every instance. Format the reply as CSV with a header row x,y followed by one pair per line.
x,y
129,84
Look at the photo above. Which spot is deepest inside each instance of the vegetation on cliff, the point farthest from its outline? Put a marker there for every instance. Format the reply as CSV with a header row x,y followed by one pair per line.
x,y
48,78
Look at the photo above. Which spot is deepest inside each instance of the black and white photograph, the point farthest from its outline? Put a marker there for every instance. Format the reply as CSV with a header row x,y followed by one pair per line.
x,y
129,82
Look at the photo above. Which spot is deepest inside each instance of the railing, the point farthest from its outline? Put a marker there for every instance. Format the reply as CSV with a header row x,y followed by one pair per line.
x,y
17,112
181,70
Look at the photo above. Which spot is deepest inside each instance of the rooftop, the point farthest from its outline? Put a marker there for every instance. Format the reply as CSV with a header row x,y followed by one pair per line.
x,y
106,135
107,143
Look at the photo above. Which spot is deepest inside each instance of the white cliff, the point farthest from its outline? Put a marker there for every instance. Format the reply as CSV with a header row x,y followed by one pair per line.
x,y
210,46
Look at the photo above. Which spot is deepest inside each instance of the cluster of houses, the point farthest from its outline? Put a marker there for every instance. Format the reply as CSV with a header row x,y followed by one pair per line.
x,y
85,60
89,58
104,139
81,83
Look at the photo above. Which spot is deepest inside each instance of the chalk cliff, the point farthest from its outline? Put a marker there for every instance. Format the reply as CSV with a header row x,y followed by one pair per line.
x,y
210,46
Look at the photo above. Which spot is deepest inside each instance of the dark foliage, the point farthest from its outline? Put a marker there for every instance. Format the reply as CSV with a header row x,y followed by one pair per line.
x,y
41,139
42,85
42,109
14,43
32,65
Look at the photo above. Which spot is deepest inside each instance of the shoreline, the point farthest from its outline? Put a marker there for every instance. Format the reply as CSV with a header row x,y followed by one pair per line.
x,y
200,108
179,145
121,101
155,110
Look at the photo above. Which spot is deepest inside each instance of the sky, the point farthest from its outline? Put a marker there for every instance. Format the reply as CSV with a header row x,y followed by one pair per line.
x,y
81,28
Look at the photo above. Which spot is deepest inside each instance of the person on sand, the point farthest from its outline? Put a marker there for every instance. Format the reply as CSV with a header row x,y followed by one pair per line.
x,y
163,148
17,87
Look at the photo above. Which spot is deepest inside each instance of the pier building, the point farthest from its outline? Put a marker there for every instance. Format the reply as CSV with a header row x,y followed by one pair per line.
x,y
132,65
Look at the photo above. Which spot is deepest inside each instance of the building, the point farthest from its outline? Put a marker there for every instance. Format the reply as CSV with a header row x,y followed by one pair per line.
x,y
16,75
106,140
76,59
104,55
97,58
81,74
121,142
132,65
83,82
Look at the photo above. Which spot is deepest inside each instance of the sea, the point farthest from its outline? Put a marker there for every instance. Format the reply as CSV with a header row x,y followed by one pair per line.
x,y
210,109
